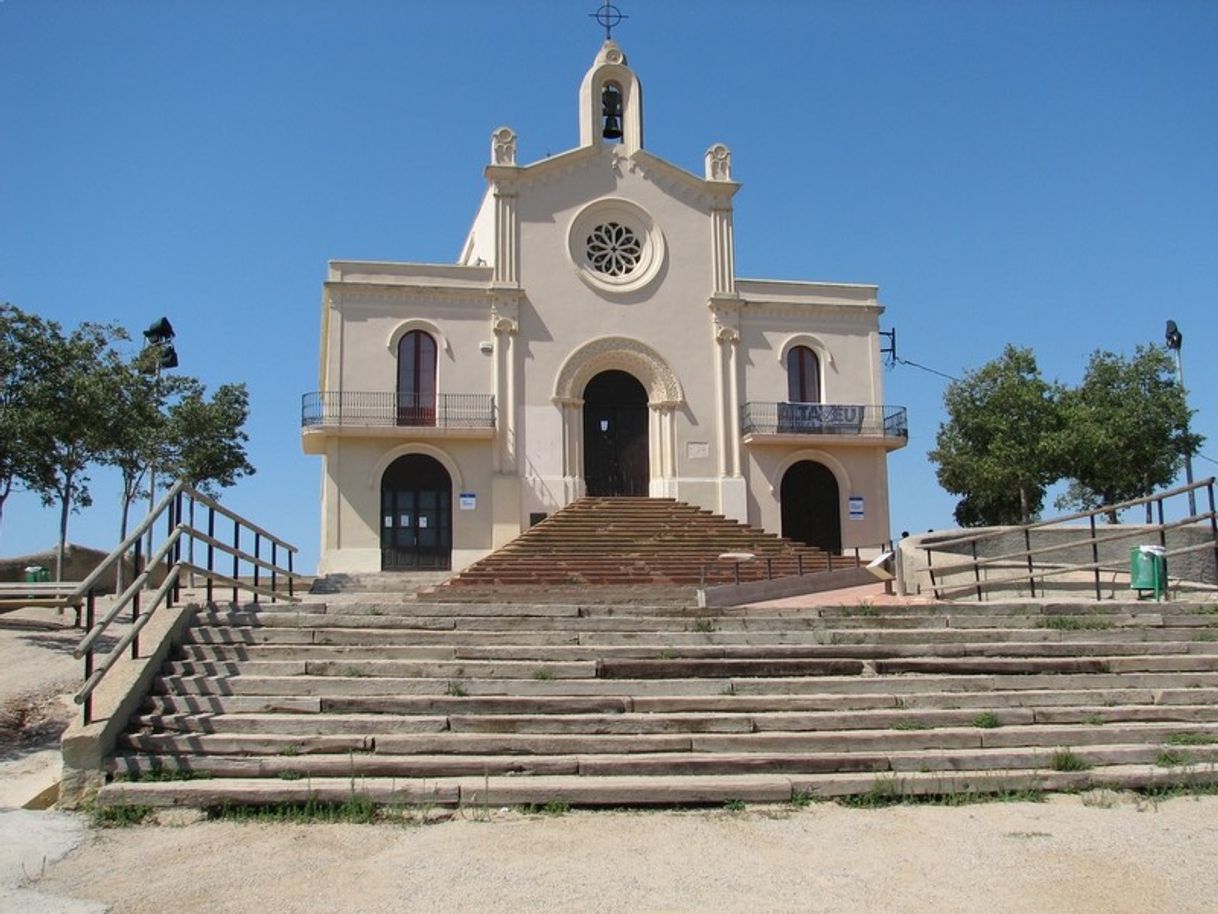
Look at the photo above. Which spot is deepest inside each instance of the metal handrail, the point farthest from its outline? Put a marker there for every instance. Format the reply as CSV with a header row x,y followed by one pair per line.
x,y
1090,537
1081,515
169,557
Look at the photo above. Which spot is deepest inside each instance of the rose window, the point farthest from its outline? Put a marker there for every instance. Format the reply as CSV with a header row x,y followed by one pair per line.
x,y
613,249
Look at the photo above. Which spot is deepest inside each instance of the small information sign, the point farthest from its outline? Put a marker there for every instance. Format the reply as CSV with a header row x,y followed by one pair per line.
x,y
856,507
468,501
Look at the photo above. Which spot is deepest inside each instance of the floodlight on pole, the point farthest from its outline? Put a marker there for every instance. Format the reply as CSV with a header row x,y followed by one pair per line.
x,y
158,337
1175,342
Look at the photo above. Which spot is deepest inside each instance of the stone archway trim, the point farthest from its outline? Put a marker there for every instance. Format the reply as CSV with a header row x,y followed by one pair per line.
x,y
835,466
415,447
624,354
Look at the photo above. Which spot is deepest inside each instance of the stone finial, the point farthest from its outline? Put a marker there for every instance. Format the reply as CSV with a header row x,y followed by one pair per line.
x,y
503,146
718,163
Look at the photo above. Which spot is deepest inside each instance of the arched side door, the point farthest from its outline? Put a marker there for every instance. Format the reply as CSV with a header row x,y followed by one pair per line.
x,y
416,515
811,507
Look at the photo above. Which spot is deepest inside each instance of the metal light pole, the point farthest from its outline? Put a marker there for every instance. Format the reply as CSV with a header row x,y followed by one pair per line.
x,y
159,337
1175,340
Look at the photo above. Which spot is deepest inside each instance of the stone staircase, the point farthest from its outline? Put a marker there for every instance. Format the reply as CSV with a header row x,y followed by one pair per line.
x,y
500,704
639,541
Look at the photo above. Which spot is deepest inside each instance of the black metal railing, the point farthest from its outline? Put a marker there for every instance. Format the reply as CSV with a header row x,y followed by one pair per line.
x,y
824,419
261,565
388,409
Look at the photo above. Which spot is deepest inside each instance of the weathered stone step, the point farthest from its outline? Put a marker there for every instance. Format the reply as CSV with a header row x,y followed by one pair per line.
x,y
665,764
397,704
361,765
966,665
336,686
483,792
695,635
945,738
244,744
317,724
363,667
261,652
1086,702
688,669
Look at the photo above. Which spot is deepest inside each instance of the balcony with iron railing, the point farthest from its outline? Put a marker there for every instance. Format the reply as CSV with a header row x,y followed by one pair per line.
x,y
387,413
840,423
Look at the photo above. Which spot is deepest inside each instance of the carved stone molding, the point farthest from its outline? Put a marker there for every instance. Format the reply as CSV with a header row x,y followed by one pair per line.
x,y
622,353
503,146
506,325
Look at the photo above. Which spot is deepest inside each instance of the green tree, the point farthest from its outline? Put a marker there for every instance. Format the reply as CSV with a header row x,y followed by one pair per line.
x,y
207,437
23,361
70,404
1126,429
998,446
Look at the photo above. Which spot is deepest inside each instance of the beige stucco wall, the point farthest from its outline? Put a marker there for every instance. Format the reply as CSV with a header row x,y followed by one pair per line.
x,y
351,496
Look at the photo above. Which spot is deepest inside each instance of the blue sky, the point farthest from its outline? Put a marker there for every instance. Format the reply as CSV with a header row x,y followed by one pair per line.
x,y
1033,172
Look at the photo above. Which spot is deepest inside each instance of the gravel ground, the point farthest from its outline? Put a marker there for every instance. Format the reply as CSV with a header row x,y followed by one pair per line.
x,y
1104,853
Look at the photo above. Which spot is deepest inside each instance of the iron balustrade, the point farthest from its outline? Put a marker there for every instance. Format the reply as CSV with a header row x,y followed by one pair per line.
x,y
388,409
263,575
824,419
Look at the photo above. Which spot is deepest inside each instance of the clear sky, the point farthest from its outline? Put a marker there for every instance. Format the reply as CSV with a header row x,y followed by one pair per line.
x,y
1025,171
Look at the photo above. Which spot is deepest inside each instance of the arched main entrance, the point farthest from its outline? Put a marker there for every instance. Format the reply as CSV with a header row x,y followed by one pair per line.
x,y
811,510
416,514
615,435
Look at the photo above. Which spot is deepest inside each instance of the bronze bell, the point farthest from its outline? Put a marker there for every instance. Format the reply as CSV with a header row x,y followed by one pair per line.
x,y
611,107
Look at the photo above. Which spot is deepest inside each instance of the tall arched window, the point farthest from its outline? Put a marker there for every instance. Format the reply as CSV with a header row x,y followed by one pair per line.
x,y
803,376
416,400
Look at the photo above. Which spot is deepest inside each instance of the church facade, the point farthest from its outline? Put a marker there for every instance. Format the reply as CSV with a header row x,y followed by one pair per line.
x,y
593,339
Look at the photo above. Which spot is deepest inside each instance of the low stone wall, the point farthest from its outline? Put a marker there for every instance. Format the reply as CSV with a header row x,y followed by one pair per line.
x,y
78,564
1198,567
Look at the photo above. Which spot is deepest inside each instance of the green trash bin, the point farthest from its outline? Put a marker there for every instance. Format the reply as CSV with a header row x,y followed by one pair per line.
x,y
1148,569
36,574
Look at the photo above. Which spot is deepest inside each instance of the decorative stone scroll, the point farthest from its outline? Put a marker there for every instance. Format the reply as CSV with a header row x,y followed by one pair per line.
x,y
718,163
503,146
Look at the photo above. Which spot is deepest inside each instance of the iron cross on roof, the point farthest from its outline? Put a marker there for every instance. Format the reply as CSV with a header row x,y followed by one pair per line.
x,y
609,16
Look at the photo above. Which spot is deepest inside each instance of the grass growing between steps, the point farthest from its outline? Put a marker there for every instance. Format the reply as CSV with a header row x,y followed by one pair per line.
x,y
118,816
889,790
1065,760
1076,623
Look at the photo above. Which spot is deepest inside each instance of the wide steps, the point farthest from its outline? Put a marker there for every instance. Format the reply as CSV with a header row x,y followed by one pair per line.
x,y
616,541
648,700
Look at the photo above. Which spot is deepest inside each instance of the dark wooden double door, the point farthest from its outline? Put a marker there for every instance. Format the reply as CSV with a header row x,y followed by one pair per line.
x,y
416,515
811,506
615,435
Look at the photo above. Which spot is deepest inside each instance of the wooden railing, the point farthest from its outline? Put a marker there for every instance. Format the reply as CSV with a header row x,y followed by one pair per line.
x,y
266,577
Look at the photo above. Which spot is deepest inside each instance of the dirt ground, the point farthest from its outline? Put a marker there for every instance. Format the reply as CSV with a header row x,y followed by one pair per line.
x,y
1114,856
1100,852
